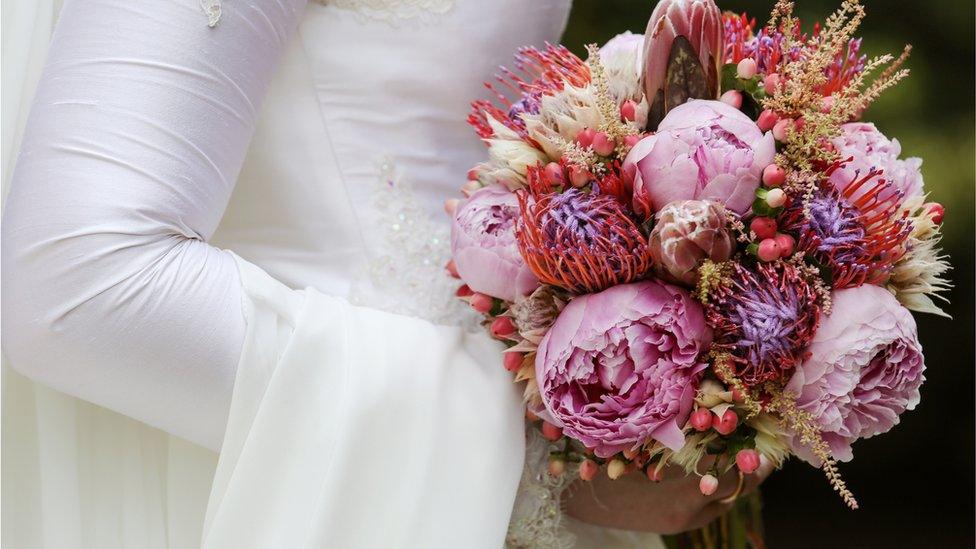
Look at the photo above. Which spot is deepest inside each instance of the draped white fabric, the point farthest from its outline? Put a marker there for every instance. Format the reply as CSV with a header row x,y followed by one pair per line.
x,y
348,427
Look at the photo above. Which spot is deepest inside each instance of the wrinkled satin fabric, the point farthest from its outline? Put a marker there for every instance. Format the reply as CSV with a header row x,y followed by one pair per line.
x,y
340,425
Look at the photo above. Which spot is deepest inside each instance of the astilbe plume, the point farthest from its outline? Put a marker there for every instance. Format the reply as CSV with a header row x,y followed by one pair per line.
x,y
577,240
859,233
537,73
763,318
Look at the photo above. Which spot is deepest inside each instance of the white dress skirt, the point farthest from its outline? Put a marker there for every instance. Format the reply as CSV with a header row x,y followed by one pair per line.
x,y
366,411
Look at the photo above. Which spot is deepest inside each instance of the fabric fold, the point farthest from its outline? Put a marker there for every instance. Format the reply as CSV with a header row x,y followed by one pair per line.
x,y
352,427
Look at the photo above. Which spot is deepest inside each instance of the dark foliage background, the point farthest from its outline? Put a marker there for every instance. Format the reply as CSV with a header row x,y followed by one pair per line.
x,y
915,484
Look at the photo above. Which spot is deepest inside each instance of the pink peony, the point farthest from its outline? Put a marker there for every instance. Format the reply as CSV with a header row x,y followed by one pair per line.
x,y
865,368
620,367
703,150
871,149
484,248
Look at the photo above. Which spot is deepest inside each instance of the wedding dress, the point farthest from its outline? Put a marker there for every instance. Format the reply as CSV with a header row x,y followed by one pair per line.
x,y
325,357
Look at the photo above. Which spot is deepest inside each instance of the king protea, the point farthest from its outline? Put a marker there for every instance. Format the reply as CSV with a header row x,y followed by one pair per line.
x,y
683,52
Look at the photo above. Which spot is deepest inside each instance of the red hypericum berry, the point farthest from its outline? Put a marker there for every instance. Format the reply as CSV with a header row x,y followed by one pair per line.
x,y
769,250
732,98
585,137
727,423
937,211
764,227
554,174
708,484
773,176
737,396
588,470
464,291
602,144
530,415
551,432
578,176
786,244
781,129
772,83
473,174
481,302
628,110
747,461
556,467
701,419
513,361
747,68
502,327
767,119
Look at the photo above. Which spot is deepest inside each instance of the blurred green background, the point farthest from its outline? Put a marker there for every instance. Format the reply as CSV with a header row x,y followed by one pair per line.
x,y
916,483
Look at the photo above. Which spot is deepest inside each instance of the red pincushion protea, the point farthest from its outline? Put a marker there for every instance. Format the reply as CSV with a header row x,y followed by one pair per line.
x,y
580,241
543,72
860,232
764,318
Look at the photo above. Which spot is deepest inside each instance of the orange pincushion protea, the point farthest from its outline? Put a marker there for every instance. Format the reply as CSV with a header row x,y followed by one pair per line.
x,y
582,242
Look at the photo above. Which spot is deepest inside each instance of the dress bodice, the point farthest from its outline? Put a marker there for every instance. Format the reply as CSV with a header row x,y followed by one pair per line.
x,y
363,137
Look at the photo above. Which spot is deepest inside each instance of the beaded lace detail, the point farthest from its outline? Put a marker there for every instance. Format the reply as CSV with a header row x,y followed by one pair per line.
x,y
406,274
537,519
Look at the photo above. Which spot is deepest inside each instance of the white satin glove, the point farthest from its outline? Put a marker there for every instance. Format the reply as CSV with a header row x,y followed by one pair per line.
x,y
138,131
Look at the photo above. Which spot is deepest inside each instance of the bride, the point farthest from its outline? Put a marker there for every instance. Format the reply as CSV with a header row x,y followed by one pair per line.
x,y
226,226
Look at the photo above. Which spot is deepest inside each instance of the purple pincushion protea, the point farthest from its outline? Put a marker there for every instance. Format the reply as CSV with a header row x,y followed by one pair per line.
x,y
620,367
764,318
582,242
858,232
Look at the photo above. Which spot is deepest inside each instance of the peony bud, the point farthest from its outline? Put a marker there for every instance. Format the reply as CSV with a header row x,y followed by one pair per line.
x,y
683,54
616,469
732,98
556,467
727,423
602,144
687,233
701,419
767,119
747,68
588,470
551,432
585,137
502,327
764,227
773,176
747,461
628,110
708,484
554,174
786,244
775,198
481,302
769,250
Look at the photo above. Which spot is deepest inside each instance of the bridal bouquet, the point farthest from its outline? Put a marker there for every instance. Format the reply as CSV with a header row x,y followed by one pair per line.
x,y
695,249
